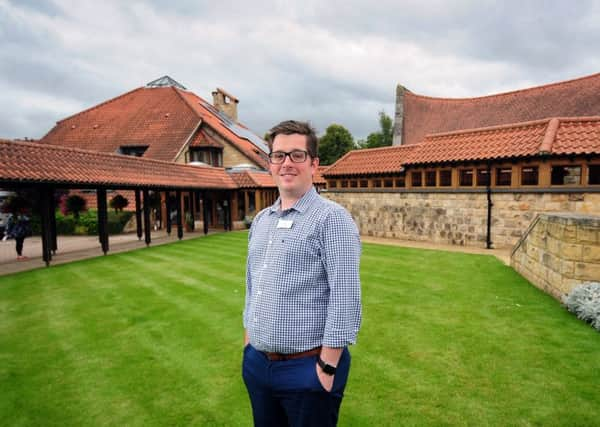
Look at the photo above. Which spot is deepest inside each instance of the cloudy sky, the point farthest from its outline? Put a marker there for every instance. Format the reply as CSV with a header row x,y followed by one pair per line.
x,y
323,61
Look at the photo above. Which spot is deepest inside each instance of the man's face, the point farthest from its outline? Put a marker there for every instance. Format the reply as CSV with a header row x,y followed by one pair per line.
x,y
292,179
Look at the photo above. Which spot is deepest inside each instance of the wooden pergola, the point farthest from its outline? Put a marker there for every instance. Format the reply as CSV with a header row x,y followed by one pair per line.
x,y
47,168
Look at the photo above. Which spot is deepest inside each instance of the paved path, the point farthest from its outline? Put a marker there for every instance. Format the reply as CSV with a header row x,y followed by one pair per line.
x,y
72,248
502,254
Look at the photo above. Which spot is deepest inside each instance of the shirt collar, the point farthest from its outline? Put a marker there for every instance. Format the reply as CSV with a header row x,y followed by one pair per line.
x,y
301,204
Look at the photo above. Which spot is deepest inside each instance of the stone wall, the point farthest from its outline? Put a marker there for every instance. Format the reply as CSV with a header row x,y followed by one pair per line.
x,y
458,218
559,252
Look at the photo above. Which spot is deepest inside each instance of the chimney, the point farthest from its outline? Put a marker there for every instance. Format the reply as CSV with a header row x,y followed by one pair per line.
x,y
226,103
399,117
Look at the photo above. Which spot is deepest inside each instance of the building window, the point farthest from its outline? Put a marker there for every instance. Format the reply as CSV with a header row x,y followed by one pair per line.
x,y
353,183
466,177
594,174
388,183
430,178
133,150
503,176
344,183
529,175
332,183
363,183
376,183
401,181
416,179
210,156
566,175
445,178
483,177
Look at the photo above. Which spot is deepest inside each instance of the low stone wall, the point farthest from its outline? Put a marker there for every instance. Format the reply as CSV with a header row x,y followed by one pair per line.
x,y
559,252
458,218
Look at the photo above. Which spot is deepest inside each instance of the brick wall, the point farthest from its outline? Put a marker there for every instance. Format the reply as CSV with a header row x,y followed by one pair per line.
x,y
458,218
559,252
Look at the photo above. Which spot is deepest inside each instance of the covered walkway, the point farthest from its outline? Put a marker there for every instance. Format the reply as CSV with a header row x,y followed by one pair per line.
x,y
45,169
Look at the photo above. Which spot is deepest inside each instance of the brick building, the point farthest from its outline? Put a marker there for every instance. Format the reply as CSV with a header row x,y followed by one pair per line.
x,y
477,171
164,121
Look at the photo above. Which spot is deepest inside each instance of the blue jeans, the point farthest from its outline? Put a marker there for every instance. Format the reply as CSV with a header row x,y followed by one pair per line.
x,y
289,393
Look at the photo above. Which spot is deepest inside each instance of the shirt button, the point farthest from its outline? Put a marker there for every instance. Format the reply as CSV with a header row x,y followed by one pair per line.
x,y
265,266
259,292
254,319
270,241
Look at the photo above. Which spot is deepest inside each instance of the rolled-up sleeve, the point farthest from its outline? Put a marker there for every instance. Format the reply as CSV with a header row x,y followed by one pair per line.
x,y
341,257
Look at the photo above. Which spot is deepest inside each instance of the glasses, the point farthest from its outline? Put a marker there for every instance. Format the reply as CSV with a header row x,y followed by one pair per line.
x,y
296,156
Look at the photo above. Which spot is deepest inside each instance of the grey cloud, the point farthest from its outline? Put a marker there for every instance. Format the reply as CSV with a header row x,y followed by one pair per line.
x,y
475,48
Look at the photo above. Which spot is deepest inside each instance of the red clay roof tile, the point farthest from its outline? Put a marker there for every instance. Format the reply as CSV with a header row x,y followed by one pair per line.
x,y
555,136
162,118
30,162
425,115
253,179
371,161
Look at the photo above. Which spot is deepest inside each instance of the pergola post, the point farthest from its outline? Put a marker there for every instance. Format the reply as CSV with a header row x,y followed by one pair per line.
x,y
102,219
205,212
227,212
138,214
53,222
191,209
168,207
45,193
147,226
179,223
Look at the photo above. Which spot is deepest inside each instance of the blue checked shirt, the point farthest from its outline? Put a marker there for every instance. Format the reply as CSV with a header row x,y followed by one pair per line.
x,y
302,277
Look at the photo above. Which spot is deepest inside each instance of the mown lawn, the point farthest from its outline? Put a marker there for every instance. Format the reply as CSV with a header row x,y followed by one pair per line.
x,y
154,338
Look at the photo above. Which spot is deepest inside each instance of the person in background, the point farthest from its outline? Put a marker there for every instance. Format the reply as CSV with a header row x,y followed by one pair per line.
x,y
18,227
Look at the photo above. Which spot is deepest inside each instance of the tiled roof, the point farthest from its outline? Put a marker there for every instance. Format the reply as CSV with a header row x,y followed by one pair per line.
x,y
556,136
216,121
318,176
253,179
30,162
260,179
426,115
577,136
202,139
371,161
156,117
523,139
162,118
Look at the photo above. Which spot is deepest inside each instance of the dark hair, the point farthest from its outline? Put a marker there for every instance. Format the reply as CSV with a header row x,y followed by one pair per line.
x,y
291,127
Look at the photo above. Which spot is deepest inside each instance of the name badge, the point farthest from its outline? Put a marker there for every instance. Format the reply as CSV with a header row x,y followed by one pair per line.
x,y
285,223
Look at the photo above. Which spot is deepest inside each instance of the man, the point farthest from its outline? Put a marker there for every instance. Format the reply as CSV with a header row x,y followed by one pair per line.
x,y
302,292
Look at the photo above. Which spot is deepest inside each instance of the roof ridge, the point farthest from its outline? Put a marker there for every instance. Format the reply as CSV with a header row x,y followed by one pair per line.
x,y
94,107
177,90
549,136
503,94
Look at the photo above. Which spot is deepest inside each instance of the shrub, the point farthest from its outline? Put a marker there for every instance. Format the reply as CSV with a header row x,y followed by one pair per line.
x,y
65,224
584,301
75,204
118,203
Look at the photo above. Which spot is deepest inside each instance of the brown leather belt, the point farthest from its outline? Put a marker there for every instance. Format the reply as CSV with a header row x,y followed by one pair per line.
x,y
276,357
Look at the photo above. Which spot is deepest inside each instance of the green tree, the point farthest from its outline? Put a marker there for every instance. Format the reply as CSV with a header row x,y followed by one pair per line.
x,y
384,137
336,142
